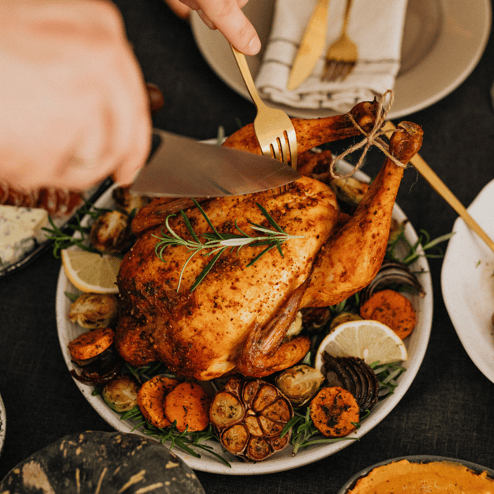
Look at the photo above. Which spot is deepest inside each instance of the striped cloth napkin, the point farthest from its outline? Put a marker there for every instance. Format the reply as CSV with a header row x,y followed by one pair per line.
x,y
376,26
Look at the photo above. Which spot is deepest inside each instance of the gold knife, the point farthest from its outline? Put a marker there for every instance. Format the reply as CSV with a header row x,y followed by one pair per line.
x,y
311,46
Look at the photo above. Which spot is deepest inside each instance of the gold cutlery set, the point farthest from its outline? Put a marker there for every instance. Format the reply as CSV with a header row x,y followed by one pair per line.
x,y
341,56
274,129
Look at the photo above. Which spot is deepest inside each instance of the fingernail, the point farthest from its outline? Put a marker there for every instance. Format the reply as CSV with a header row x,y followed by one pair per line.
x,y
254,46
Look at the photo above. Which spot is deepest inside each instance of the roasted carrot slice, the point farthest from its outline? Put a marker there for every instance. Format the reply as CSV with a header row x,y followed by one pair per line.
x,y
150,399
393,309
188,404
91,344
334,411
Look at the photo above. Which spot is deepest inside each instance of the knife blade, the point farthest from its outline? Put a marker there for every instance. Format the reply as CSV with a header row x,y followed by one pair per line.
x,y
311,45
183,167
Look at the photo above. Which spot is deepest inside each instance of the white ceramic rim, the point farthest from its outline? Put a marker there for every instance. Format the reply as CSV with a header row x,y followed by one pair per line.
x,y
3,424
467,286
450,60
416,345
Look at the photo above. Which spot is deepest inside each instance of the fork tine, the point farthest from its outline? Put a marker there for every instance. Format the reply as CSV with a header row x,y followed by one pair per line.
x,y
341,54
346,71
339,69
291,140
277,150
329,71
285,148
273,128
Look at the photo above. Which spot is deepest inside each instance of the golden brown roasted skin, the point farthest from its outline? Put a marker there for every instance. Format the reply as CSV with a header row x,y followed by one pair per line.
x,y
312,132
237,317
201,334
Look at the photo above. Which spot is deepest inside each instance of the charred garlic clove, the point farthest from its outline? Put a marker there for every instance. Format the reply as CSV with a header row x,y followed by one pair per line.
x,y
249,415
93,311
120,394
392,273
299,383
110,232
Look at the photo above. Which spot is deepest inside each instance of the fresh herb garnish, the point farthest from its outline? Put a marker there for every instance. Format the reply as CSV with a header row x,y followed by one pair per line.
x,y
62,239
430,247
305,433
186,441
387,375
216,243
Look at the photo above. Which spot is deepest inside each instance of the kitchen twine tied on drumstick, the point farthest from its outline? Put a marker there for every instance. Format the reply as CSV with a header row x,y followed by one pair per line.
x,y
373,138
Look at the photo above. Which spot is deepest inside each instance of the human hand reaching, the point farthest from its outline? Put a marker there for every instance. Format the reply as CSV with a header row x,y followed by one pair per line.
x,y
75,108
227,17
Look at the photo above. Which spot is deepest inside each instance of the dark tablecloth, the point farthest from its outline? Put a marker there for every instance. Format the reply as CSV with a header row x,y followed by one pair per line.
x,y
447,410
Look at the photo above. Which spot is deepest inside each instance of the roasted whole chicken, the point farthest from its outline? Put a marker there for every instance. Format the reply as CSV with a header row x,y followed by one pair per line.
x,y
237,317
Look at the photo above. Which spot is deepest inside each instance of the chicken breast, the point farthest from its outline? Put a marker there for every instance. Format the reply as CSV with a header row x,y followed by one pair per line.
x,y
200,333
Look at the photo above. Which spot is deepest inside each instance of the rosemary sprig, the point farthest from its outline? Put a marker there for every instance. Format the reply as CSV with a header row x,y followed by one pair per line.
x,y
216,243
305,433
64,238
186,441
387,375
430,247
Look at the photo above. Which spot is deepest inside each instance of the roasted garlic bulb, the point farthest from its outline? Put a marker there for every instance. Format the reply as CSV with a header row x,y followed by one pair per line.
x,y
249,415
92,310
299,383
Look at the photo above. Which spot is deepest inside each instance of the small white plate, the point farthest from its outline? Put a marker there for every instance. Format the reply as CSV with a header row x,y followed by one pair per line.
x,y
467,282
3,424
443,41
416,345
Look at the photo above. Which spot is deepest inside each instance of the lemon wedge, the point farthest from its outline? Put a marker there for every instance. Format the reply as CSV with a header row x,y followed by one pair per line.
x,y
366,339
91,272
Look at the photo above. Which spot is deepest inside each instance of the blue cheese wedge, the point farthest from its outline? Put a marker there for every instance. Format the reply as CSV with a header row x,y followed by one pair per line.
x,y
20,230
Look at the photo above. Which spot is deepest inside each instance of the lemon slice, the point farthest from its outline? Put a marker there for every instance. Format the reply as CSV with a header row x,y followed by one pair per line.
x,y
91,272
369,340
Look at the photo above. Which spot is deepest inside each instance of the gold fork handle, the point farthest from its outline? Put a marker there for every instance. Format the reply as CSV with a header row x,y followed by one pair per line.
x,y
439,186
249,82
347,15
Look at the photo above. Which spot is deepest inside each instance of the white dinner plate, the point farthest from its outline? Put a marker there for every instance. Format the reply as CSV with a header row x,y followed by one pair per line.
x,y
467,283
443,41
416,345
3,424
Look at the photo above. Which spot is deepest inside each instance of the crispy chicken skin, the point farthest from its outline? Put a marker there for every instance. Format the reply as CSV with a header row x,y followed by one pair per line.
x,y
200,334
237,317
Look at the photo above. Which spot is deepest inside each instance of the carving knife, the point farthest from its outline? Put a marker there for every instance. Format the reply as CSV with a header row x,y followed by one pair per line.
x,y
311,45
182,167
